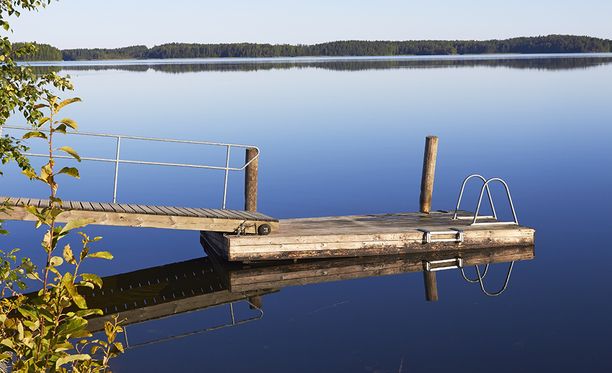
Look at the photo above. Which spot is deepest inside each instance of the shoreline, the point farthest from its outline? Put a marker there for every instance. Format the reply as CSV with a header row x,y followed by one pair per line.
x,y
307,59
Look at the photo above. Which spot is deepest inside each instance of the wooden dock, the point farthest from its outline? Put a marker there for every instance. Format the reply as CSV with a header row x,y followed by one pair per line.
x,y
202,283
252,236
366,235
163,291
244,278
145,216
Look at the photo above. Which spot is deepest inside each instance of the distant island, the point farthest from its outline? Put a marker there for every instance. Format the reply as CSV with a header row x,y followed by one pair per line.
x,y
520,45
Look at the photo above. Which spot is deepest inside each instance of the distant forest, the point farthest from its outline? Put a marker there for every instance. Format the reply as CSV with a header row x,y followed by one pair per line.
x,y
522,45
44,52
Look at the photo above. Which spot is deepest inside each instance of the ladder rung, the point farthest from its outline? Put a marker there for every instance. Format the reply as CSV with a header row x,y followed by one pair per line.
x,y
472,217
429,235
429,265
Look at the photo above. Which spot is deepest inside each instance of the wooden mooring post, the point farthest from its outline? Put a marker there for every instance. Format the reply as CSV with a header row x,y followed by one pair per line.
x,y
429,172
431,286
250,180
427,183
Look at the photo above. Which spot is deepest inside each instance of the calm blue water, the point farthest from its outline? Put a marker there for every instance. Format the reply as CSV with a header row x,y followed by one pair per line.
x,y
346,137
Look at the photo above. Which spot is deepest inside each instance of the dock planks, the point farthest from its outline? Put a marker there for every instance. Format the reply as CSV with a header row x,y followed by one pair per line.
x,y
171,289
134,215
364,235
163,291
240,277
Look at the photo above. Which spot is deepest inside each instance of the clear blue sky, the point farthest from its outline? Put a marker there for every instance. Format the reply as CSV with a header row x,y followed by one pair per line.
x,y
114,23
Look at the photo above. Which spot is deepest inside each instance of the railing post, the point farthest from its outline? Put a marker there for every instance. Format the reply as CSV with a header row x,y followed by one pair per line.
x,y
225,180
250,179
117,157
429,172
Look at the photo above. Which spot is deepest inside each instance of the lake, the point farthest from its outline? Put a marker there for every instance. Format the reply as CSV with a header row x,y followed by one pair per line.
x,y
345,136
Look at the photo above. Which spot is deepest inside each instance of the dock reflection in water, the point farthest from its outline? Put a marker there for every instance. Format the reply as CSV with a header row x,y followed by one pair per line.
x,y
210,282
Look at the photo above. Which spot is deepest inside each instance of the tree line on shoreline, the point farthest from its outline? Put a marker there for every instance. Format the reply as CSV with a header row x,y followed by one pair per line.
x,y
521,45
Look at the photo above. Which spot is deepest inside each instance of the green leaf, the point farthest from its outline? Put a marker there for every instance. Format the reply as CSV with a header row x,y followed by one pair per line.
x,y
119,347
89,312
34,134
56,261
68,255
66,102
101,255
70,151
63,347
61,128
46,171
27,313
30,173
71,325
7,342
71,358
75,224
71,171
81,334
43,120
34,211
68,282
70,123
95,279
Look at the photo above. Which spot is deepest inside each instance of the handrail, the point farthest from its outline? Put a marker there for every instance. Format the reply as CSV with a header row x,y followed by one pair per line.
x,y
486,186
500,291
473,281
233,323
455,217
117,160
481,276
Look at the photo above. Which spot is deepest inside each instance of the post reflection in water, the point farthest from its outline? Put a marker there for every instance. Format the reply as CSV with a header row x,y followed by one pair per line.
x,y
208,282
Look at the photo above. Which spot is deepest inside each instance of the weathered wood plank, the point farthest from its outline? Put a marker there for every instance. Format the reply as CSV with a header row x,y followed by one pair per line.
x,y
157,210
106,207
254,276
223,213
147,209
123,207
181,211
365,235
131,219
198,212
161,291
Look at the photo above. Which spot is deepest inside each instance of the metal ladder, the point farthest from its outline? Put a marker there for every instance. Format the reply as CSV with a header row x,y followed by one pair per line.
x,y
480,279
457,263
483,189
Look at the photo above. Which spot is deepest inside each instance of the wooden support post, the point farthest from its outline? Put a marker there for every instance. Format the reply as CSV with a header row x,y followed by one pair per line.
x,y
255,302
250,180
431,286
429,172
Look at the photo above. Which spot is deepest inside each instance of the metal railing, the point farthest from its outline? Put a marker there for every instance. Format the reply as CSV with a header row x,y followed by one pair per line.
x,y
485,188
233,323
481,276
118,160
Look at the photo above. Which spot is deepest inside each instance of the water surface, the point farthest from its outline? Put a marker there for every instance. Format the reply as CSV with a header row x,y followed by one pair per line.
x,y
346,137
